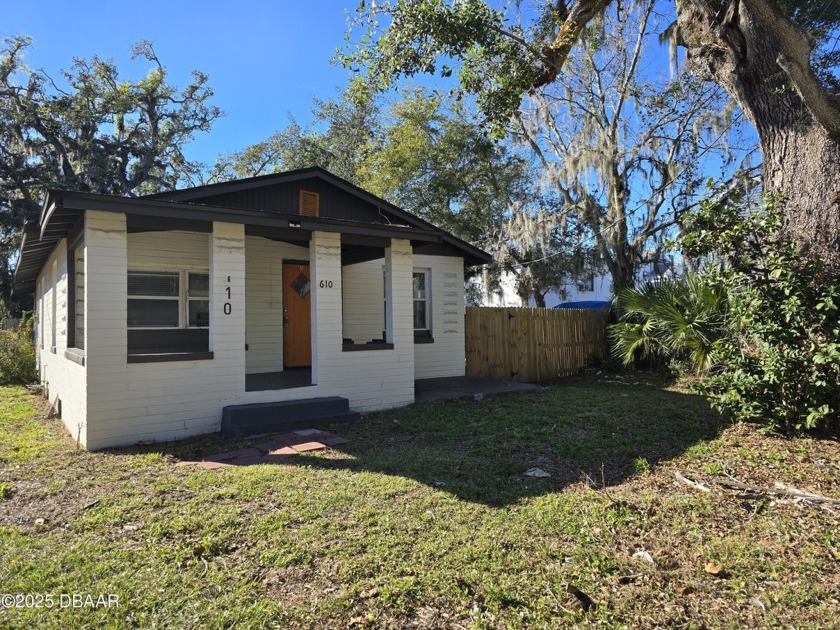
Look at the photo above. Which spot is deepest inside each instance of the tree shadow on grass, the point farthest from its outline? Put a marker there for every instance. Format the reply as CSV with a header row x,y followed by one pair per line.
x,y
479,451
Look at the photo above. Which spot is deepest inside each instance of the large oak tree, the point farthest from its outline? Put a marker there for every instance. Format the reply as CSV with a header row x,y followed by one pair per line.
x,y
762,52
88,129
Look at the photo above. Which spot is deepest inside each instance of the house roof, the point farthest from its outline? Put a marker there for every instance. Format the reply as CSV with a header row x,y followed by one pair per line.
x,y
239,201
316,172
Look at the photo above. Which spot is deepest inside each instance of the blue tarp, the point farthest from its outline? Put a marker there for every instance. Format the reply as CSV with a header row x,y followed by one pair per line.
x,y
584,304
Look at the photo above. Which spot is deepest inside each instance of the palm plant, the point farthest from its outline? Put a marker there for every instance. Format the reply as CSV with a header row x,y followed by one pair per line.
x,y
678,319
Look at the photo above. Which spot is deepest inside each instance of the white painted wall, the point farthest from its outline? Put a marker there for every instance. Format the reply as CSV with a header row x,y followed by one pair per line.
x,y
363,312
121,403
370,379
128,403
363,300
264,301
446,356
505,295
63,379
168,251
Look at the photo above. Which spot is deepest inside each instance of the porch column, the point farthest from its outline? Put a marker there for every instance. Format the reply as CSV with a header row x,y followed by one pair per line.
x,y
399,315
325,282
227,300
106,317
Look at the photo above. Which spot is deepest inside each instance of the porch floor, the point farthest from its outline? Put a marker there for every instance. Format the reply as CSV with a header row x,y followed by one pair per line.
x,y
287,379
431,389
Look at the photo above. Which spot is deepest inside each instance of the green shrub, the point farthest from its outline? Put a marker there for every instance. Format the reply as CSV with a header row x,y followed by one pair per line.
x,y
17,354
779,361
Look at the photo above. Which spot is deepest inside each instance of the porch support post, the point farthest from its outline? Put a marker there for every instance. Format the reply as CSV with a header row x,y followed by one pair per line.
x,y
399,266
227,300
325,282
106,318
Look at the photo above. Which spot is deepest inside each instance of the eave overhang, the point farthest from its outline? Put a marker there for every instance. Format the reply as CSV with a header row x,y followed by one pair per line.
x,y
62,211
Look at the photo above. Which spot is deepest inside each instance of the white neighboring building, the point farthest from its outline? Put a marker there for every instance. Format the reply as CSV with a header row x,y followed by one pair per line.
x,y
241,306
593,288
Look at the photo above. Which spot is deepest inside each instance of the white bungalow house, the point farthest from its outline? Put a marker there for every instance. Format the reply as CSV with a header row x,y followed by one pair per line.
x,y
288,297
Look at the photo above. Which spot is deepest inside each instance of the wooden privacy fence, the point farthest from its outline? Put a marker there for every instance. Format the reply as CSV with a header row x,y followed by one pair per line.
x,y
532,344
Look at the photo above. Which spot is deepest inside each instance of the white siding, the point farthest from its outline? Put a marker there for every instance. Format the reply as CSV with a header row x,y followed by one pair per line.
x,y
363,300
168,251
128,403
370,379
363,313
447,355
63,379
122,403
264,301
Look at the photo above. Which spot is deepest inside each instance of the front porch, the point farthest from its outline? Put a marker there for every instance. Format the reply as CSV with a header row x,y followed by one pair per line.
x,y
290,378
320,310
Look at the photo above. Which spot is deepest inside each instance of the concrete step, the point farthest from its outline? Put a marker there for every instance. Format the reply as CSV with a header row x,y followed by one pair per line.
x,y
262,418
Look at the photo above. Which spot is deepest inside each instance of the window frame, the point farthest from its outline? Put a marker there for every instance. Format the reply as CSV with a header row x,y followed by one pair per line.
x,y
427,299
421,335
75,294
198,298
183,298
54,305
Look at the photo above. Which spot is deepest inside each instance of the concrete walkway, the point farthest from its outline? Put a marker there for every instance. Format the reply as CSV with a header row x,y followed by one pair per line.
x,y
431,389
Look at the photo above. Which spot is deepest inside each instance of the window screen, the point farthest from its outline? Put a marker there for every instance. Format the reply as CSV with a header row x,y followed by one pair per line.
x,y
421,302
153,283
79,296
153,299
198,294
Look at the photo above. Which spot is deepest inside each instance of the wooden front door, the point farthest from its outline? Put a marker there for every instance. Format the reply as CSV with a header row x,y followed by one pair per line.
x,y
297,317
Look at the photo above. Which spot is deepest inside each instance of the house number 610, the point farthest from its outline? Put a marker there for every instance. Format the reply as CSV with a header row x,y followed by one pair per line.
x,y
326,284
227,308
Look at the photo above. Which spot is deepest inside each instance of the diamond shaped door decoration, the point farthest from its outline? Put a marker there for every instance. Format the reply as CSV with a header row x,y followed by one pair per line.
x,y
301,285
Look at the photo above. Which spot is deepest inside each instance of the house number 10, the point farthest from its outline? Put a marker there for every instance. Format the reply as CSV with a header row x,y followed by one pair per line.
x,y
227,308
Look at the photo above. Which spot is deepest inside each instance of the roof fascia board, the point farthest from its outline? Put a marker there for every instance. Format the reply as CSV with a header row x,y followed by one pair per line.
x,y
153,208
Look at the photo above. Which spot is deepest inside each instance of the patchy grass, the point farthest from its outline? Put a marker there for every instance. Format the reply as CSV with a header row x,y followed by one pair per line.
x,y
22,438
427,520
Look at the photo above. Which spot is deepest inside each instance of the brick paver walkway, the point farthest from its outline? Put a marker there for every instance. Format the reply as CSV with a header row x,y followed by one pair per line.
x,y
274,449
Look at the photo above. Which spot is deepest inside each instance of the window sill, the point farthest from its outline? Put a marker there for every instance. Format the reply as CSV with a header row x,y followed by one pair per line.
x,y
354,347
423,337
76,355
162,357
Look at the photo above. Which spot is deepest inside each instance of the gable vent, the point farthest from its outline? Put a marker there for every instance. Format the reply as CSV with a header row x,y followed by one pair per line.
x,y
308,203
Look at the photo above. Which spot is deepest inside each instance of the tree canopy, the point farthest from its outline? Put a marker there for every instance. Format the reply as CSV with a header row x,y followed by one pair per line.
x,y
777,60
88,129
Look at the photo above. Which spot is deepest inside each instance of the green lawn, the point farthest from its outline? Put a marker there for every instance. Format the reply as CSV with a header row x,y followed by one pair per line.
x,y
426,520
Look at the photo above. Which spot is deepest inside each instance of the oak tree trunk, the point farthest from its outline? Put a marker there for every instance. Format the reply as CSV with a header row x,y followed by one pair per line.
x,y
620,264
801,158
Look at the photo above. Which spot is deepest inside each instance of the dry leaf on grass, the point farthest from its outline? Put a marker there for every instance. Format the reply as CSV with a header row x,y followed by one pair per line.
x,y
713,569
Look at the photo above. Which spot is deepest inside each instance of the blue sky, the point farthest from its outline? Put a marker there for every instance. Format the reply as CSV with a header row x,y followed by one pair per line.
x,y
265,60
